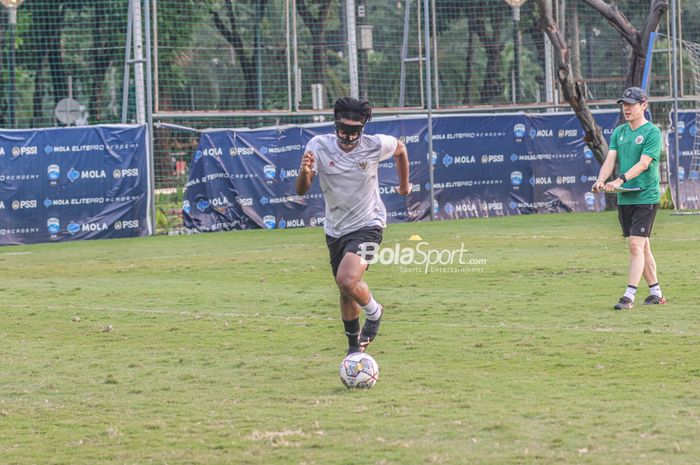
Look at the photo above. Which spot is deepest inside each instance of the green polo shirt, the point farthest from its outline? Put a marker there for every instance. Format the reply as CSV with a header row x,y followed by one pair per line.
x,y
630,146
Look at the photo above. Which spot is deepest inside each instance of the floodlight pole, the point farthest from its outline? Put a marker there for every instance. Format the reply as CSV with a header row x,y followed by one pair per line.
x,y
676,136
516,53
11,28
429,96
515,5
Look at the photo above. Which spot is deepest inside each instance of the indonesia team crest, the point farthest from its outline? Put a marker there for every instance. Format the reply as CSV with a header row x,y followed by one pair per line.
x,y
363,165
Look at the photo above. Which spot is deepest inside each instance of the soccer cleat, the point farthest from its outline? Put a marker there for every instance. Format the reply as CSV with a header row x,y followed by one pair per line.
x,y
625,303
654,300
370,330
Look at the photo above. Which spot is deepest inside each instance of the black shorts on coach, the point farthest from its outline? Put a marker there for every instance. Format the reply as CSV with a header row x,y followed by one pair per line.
x,y
339,246
637,220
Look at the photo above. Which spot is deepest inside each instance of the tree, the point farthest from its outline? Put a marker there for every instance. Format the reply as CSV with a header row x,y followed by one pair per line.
x,y
574,91
317,26
232,34
637,39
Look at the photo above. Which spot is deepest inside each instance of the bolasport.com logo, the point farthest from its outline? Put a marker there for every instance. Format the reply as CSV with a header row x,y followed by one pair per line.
x,y
421,258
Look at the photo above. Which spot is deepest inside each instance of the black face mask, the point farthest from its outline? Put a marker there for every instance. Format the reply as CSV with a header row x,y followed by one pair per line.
x,y
349,130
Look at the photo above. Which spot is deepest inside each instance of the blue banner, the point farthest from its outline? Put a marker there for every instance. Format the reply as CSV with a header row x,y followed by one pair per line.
x,y
62,184
484,165
688,172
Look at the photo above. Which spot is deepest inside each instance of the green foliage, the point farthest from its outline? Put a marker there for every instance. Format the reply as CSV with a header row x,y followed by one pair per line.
x,y
224,348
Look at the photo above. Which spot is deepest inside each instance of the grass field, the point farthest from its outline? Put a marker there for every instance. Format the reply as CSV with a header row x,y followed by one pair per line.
x,y
224,349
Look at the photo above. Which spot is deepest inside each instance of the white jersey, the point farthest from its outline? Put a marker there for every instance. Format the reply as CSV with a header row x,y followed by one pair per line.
x,y
349,181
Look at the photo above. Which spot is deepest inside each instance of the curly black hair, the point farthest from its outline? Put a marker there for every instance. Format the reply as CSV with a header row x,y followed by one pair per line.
x,y
353,109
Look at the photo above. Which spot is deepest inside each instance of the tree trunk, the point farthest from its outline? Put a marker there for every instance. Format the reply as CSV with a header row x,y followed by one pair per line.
x,y
247,61
574,92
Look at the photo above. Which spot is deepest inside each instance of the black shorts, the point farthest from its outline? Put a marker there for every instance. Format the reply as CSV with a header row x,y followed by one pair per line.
x,y
637,220
351,243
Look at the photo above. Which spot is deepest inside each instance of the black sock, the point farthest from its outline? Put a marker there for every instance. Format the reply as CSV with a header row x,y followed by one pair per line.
x,y
352,330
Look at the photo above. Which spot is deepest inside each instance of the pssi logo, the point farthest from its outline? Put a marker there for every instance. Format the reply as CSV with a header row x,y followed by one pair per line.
x,y
566,180
23,204
17,151
567,133
126,224
410,139
492,159
125,173
234,151
245,201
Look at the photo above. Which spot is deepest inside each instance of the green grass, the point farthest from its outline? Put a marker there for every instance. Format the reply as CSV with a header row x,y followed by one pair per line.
x,y
224,349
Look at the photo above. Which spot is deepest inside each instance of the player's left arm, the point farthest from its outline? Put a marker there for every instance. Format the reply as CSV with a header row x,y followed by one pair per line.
x,y
638,168
401,160
650,152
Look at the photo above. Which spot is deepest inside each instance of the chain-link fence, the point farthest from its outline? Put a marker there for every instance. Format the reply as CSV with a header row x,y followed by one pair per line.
x,y
225,63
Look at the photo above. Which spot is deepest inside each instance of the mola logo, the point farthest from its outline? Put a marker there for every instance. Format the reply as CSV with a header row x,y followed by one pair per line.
x,y
282,223
48,203
447,160
269,221
202,204
283,174
48,149
73,228
197,156
533,133
73,175
264,200
693,130
519,130
269,171
516,178
513,205
449,208
513,157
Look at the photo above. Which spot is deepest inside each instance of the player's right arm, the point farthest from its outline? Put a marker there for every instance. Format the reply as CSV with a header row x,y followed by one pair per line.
x,y
306,173
605,171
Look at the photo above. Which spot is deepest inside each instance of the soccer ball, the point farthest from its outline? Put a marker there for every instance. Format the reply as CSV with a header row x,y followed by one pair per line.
x,y
359,370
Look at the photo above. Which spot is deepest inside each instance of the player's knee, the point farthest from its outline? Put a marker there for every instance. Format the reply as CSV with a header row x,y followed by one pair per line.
x,y
637,245
346,283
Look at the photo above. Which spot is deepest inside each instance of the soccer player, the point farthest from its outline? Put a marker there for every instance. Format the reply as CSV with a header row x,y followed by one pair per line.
x,y
347,163
637,145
